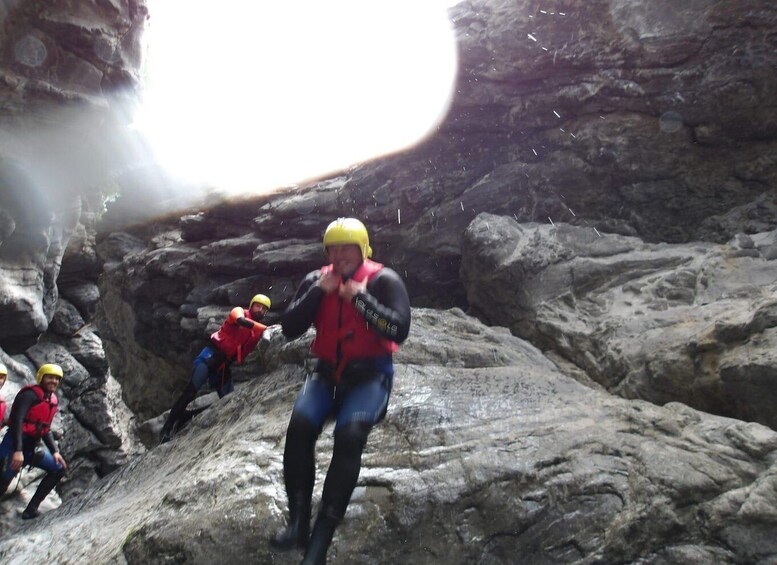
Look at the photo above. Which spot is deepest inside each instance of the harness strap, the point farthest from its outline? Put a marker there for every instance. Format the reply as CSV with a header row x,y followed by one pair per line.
x,y
223,370
339,370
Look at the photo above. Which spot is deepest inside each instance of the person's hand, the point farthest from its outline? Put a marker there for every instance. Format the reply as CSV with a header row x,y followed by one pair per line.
x,y
17,460
60,460
350,289
329,282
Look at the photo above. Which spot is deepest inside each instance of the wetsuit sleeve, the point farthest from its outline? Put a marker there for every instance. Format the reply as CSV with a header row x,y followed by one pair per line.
x,y
250,324
302,311
245,322
22,404
386,306
48,439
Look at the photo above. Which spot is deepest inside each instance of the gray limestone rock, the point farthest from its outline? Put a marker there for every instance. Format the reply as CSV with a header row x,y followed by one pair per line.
x,y
656,322
84,295
67,320
651,120
490,456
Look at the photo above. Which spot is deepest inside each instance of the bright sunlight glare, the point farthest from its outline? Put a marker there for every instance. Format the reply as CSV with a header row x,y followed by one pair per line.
x,y
246,96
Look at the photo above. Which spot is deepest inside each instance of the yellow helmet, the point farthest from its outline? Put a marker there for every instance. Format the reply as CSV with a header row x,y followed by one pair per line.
x,y
348,230
48,369
261,299
3,370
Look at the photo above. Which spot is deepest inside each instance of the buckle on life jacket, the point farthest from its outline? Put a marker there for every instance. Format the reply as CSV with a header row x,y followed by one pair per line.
x,y
223,370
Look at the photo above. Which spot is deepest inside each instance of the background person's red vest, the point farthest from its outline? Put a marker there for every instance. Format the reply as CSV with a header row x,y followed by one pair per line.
x,y
37,421
233,340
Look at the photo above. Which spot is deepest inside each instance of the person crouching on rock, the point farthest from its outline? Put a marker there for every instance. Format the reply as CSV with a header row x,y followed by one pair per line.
x,y
32,413
361,312
234,340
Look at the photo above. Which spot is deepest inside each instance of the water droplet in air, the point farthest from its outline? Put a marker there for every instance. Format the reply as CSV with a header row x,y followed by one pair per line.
x,y
670,122
30,51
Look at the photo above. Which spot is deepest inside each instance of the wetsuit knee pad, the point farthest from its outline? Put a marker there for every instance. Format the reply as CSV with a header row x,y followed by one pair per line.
x,y
37,457
351,437
42,460
301,429
344,470
57,475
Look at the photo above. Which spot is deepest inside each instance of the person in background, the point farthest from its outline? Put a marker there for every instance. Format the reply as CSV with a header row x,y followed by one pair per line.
x,y
234,340
32,413
361,312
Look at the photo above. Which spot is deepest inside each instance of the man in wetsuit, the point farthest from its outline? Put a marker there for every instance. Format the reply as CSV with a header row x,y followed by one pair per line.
x,y
234,340
361,312
32,413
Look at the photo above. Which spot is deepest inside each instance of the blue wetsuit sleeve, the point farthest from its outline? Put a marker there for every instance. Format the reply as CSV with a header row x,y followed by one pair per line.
x,y
302,310
386,306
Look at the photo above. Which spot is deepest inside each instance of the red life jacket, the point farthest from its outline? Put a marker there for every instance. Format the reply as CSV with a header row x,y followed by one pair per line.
x,y
37,421
2,412
233,340
338,322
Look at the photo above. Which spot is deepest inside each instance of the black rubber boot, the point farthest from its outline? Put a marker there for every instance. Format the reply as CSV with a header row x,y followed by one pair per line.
x,y
30,513
176,412
298,475
322,535
46,485
295,534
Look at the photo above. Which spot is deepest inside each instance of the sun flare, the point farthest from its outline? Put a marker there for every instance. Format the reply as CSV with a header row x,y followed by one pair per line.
x,y
248,96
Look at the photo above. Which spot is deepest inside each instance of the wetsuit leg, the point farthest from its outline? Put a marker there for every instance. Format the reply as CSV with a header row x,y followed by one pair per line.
x,y
54,473
200,374
221,381
362,408
199,377
6,474
311,409
341,478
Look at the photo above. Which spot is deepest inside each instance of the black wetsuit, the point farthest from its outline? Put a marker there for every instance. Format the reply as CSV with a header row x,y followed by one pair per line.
x,y
357,398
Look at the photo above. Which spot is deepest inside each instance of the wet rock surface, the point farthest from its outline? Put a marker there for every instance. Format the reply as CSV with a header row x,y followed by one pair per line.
x,y
625,128
61,66
487,455
657,322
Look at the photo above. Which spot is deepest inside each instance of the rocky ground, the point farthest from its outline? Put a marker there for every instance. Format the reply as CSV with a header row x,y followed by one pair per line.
x,y
488,454
591,226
